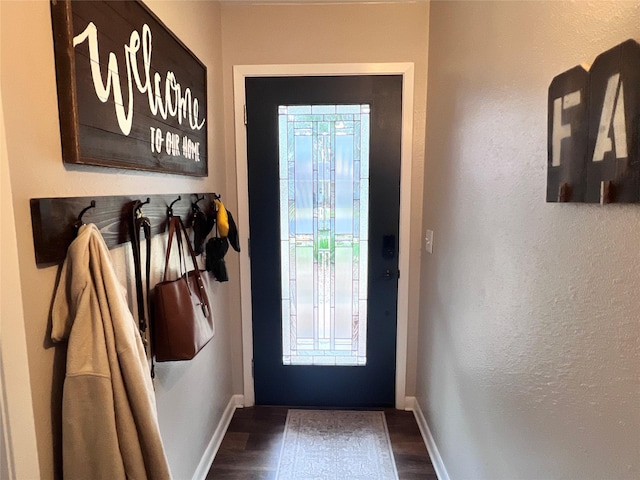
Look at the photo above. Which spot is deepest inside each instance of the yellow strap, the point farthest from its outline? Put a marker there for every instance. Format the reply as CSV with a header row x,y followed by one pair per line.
x,y
222,219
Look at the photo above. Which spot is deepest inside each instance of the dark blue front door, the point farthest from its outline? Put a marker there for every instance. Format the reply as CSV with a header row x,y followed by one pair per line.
x,y
324,192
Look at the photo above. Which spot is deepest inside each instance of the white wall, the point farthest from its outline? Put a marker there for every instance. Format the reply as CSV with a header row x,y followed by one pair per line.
x,y
529,347
191,396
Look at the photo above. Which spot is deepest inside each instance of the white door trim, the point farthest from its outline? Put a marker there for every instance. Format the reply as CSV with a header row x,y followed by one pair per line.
x,y
240,72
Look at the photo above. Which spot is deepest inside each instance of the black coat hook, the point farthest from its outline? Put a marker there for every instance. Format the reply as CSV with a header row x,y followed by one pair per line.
x,y
170,207
194,205
80,222
137,205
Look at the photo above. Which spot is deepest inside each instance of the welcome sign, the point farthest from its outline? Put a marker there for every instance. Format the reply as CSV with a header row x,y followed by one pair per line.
x,y
130,94
593,130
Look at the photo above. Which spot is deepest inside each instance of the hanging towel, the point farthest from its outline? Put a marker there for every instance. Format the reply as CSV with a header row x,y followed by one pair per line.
x,y
109,420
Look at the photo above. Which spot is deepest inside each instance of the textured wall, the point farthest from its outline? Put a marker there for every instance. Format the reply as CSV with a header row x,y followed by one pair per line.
x,y
529,349
192,395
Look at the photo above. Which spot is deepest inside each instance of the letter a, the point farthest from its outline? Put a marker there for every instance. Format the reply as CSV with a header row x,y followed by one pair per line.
x,y
612,115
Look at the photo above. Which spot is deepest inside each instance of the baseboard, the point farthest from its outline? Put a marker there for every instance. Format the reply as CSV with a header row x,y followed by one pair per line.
x,y
411,403
236,401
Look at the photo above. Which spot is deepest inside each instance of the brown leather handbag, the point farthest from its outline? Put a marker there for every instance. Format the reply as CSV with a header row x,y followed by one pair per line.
x,y
183,321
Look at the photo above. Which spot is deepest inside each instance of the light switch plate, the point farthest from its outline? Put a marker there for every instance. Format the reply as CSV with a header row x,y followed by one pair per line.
x,y
428,241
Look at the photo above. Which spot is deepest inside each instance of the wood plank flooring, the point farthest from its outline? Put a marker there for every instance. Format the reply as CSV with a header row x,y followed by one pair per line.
x,y
251,447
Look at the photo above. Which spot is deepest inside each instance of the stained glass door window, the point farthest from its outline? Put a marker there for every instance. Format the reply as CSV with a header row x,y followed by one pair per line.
x,y
324,212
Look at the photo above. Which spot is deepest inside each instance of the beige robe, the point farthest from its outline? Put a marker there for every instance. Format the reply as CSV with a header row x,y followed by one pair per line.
x,y
109,420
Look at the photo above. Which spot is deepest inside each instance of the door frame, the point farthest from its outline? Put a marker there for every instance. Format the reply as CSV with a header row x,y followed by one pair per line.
x,y
406,69
18,444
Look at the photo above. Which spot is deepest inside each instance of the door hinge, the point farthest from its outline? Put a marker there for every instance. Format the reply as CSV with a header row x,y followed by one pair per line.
x,y
249,247
245,114
252,368
398,274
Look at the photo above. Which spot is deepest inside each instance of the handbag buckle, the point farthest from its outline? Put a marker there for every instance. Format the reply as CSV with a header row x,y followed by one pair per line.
x,y
205,309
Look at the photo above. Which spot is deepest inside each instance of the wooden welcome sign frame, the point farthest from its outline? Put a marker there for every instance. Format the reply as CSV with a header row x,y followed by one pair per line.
x,y
131,95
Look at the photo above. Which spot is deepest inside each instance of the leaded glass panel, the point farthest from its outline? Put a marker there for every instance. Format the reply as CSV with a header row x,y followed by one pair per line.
x,y
324,212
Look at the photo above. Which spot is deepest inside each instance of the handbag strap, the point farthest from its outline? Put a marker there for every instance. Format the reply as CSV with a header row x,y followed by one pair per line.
x,y
177,229
138,222
192,253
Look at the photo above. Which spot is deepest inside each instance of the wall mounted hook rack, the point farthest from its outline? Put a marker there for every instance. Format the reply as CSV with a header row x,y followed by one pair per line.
x,y
53,219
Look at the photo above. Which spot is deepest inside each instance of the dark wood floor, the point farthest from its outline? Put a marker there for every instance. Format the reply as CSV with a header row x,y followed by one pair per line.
x,y
251,447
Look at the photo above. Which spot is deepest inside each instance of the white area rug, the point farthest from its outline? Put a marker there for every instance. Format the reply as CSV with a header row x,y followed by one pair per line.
x,y
336,445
